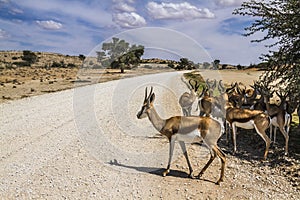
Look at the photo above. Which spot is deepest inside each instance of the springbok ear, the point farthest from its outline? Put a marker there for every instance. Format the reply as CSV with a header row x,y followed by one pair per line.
x,y
152,98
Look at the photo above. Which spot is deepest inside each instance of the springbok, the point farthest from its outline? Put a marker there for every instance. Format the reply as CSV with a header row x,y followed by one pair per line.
x,y
279,117
259,103
206,101
214,105
211,87
293,104
186,100
183,129
236,95
250,95
248,119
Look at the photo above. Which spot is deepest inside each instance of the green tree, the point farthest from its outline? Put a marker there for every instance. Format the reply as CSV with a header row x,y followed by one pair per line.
x,y
279,20
206,65
119,54
216,64
185,63
81,57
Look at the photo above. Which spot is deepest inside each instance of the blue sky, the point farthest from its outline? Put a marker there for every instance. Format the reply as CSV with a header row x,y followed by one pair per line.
x,y
76,27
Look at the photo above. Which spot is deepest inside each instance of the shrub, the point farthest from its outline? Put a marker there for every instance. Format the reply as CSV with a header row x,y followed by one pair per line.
x,y
171,65
29,57
22,64
71,65
57,64
224,66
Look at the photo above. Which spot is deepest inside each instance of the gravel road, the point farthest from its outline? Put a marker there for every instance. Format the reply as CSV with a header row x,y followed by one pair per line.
x,y
86,143
50,142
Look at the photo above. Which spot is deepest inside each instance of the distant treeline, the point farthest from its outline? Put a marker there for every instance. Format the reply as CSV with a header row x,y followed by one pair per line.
x,y
129,60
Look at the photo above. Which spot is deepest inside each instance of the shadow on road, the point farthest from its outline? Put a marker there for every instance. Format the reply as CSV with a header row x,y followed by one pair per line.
x,y
156,171
151,170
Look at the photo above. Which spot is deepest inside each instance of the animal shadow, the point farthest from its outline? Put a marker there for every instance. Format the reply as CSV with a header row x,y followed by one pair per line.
x,y
151,170
157,171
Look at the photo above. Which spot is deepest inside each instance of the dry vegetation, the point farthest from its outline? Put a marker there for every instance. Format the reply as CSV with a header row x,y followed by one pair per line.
x,y
23,81
19,82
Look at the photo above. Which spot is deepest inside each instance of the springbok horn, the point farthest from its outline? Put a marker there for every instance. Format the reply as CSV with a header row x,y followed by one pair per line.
x,y
215,84
145,94
190,82
207,83
239,89
197,85
151,91
221,86
203,90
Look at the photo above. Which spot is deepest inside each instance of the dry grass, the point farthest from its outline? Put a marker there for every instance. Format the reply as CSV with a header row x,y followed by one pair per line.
x,y
24,82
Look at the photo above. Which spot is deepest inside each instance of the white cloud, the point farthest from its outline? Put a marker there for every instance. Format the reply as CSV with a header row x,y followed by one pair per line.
x,y
129,20
183,10
3,34
123,7
125,16
49,25
94,14
16,11
229,2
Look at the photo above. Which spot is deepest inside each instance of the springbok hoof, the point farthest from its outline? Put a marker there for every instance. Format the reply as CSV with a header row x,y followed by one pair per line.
x,y
263,160
191,176
219,181
166,172
199,175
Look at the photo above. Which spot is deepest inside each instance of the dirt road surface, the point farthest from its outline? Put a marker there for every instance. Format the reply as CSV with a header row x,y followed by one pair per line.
x,y
86,143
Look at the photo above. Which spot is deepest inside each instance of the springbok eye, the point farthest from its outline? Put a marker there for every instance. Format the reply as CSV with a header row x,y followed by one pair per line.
x,y
145,107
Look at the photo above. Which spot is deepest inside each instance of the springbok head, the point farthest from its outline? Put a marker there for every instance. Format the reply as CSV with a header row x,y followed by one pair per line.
x,y
194,88
210,87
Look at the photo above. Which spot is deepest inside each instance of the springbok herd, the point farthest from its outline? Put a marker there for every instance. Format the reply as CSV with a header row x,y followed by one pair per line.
x,y
222,108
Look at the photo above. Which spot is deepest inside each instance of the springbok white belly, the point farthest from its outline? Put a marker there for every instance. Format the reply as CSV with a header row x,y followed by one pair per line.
x,y
188,137
287,119
274,122
245,125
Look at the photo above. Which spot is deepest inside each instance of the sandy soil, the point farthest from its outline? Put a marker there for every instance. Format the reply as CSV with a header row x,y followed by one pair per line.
x,y
24,82
229,76
86,143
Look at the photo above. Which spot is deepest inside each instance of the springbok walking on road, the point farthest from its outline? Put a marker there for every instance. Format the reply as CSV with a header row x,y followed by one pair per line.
x,y
185,129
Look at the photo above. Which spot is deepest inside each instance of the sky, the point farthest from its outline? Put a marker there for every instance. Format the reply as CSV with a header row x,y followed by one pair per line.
x,y
197,29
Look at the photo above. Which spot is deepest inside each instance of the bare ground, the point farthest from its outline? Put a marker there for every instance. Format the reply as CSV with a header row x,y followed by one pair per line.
x,y
22,82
